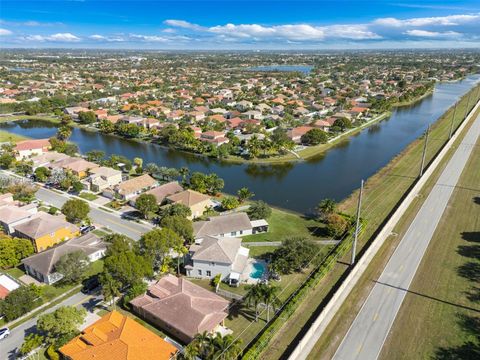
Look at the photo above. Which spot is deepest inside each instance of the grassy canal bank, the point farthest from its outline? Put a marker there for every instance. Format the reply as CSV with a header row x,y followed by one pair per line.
x,y
383,191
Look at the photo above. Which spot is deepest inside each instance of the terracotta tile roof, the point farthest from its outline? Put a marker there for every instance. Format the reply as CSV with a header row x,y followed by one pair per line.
x,y
118,337
33,144
162,191
182,305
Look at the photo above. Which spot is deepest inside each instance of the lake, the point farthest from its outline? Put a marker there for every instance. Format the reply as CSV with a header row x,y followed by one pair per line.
x,y
296,186
306,69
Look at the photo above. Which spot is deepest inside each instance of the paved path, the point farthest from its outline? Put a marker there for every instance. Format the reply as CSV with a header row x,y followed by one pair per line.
x,y
278,243
10,345
368,332
111,220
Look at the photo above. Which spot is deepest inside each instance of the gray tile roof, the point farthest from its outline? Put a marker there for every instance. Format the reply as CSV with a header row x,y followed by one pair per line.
x,y
223,224
45,261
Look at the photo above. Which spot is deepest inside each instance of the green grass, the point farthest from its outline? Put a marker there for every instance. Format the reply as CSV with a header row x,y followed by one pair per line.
x,y
259,251
88,196
14,272
326,346
382,191
283,224
447,302
51,118
6,136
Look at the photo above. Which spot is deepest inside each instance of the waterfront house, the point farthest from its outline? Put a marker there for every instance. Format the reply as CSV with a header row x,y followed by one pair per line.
x,y
45,159
210,256
296,133
27,148
42,265
194,200
102,178
128,189
117,336
161,192
230,225
214,137
181,308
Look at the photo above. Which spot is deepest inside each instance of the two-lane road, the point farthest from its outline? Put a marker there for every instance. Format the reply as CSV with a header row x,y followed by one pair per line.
x,y
10,345
111,220
370,328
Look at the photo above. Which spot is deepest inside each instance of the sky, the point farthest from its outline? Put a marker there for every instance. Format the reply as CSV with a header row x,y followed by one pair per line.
x,y
242,25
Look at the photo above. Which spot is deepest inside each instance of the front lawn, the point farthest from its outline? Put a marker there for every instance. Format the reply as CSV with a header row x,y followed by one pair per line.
x,y
284,224
88,196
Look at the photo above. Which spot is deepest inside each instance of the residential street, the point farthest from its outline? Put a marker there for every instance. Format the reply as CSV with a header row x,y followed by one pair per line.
x,y
370,328
9,346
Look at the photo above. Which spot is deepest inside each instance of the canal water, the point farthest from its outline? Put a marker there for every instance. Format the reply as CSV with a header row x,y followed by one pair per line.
x,y
295,186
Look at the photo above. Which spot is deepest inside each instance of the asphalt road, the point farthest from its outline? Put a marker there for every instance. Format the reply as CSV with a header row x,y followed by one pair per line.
x,y
370,328
111,220
10,345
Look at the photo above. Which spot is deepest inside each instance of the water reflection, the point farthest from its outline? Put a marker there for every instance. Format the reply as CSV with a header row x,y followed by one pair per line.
x,y
297,186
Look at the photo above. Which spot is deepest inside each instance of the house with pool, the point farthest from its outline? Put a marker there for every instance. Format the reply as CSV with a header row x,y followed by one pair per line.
x,y
210,256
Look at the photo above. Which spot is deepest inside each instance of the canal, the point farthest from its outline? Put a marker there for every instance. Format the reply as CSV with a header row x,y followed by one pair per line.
x,y
296,186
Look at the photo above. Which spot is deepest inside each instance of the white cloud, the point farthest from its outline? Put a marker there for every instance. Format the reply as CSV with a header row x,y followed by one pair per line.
x,y
450,20
97,37
60,37
149,38
4,32
432,34
289,32
183,24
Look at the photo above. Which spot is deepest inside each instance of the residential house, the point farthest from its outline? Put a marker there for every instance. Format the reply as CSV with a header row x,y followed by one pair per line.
x,y
27,148
161,192
230,225
196,201
42,265
12,215
181,308
45,159
117,336
322,125
128,189
102,178
7,285
296,133
77,166
215,137
45,230
210,256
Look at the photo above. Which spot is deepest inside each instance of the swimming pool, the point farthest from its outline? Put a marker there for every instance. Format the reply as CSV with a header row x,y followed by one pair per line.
x,y
258,269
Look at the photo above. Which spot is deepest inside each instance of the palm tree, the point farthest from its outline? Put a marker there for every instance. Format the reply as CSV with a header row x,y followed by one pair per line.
x,y
184,172
110,288
326,207
254,296
226,347
244,194
269,297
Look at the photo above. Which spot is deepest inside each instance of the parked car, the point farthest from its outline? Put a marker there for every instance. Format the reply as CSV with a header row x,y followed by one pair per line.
x,y
90,284
4,332
86,229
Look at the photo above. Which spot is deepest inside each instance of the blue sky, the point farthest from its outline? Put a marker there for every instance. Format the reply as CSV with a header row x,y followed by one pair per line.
x,y
229,24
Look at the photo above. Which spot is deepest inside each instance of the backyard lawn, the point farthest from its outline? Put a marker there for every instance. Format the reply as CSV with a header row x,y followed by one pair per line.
x,y
88,196
284,224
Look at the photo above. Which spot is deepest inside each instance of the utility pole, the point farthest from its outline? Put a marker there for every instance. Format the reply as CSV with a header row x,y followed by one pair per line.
x,y
357,226
424,150
453,121
468,103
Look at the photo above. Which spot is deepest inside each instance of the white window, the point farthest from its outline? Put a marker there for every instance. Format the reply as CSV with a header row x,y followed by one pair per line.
x,y
233,233
199,272
241,232
209,273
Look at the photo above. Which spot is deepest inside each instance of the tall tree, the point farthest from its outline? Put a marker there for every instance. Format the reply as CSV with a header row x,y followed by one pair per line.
x,y
157,244
244,194
72,266
110,288
61,325
146,204
75,210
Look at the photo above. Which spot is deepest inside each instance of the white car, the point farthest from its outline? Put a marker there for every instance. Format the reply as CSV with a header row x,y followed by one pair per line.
x,y
4,332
